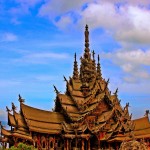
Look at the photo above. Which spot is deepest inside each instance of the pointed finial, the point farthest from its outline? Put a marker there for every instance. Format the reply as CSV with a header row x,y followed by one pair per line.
x,y
75,57
147,112
65,79
98,58
108,81
86,36
116,91
7,109
20,99
13,106
93,53
55,89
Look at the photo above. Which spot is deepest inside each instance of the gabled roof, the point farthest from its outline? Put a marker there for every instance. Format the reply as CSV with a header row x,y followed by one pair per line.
x,y
42,121
31,113
142,123
142,127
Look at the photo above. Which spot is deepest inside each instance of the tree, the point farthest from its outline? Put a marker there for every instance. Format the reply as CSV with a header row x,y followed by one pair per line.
x,y
22,146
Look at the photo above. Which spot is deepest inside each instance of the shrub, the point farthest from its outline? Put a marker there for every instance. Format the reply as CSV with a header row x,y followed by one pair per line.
x,y
22,146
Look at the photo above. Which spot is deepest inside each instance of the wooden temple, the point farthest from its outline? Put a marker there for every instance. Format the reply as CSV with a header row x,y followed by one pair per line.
x,y
86,117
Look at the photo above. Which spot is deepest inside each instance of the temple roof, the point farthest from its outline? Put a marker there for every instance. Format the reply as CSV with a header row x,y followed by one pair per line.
x,y
31,113
142,127
86,106
46,122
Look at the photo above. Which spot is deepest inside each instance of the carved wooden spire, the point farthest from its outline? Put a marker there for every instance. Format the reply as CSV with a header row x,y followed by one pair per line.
x,y
87,50
75,70
99,75
94,64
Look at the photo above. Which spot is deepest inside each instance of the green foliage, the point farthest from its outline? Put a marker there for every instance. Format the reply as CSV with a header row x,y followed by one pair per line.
x,y
22,146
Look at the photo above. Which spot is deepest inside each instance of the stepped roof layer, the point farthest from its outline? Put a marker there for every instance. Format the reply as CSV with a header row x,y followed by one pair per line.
x,y
86,108
142,127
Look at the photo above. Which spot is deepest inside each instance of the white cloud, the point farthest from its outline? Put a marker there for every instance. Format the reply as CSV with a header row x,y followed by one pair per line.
x,y
8,37
137,57
127,22
64,22
135,64
55,8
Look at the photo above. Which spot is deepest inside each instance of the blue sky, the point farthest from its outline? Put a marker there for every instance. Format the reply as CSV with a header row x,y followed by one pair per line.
x,y
38,39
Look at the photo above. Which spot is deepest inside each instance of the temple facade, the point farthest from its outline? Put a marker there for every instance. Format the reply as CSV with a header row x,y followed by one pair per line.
x,y
86,117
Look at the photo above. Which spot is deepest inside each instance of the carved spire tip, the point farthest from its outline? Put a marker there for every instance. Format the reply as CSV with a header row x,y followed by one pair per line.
x,y
75,57
86,27
98,58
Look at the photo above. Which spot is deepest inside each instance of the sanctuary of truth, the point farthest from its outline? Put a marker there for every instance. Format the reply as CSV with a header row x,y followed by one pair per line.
x,y
86,117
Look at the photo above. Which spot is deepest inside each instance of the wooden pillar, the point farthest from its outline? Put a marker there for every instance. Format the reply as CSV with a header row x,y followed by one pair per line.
x,y
67,144
82,144
89,145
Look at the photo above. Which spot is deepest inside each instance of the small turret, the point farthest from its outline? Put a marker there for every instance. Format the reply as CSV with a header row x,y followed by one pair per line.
x,y
99,75
75,70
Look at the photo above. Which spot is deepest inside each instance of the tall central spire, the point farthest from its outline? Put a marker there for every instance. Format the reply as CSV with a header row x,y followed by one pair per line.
x,y
87,50
86,33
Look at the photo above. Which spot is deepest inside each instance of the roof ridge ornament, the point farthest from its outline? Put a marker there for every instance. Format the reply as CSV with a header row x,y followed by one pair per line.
x,y
13,106
7,109
20,99
55,89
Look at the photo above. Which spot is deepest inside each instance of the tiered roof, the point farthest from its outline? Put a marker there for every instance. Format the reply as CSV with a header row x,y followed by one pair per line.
x,y
86,108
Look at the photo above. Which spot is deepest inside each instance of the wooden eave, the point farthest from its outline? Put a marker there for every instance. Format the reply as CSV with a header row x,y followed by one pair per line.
x,y
77,93
119,139
44,125
5,132
22,136
64,99
43,130
70,108
5,139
